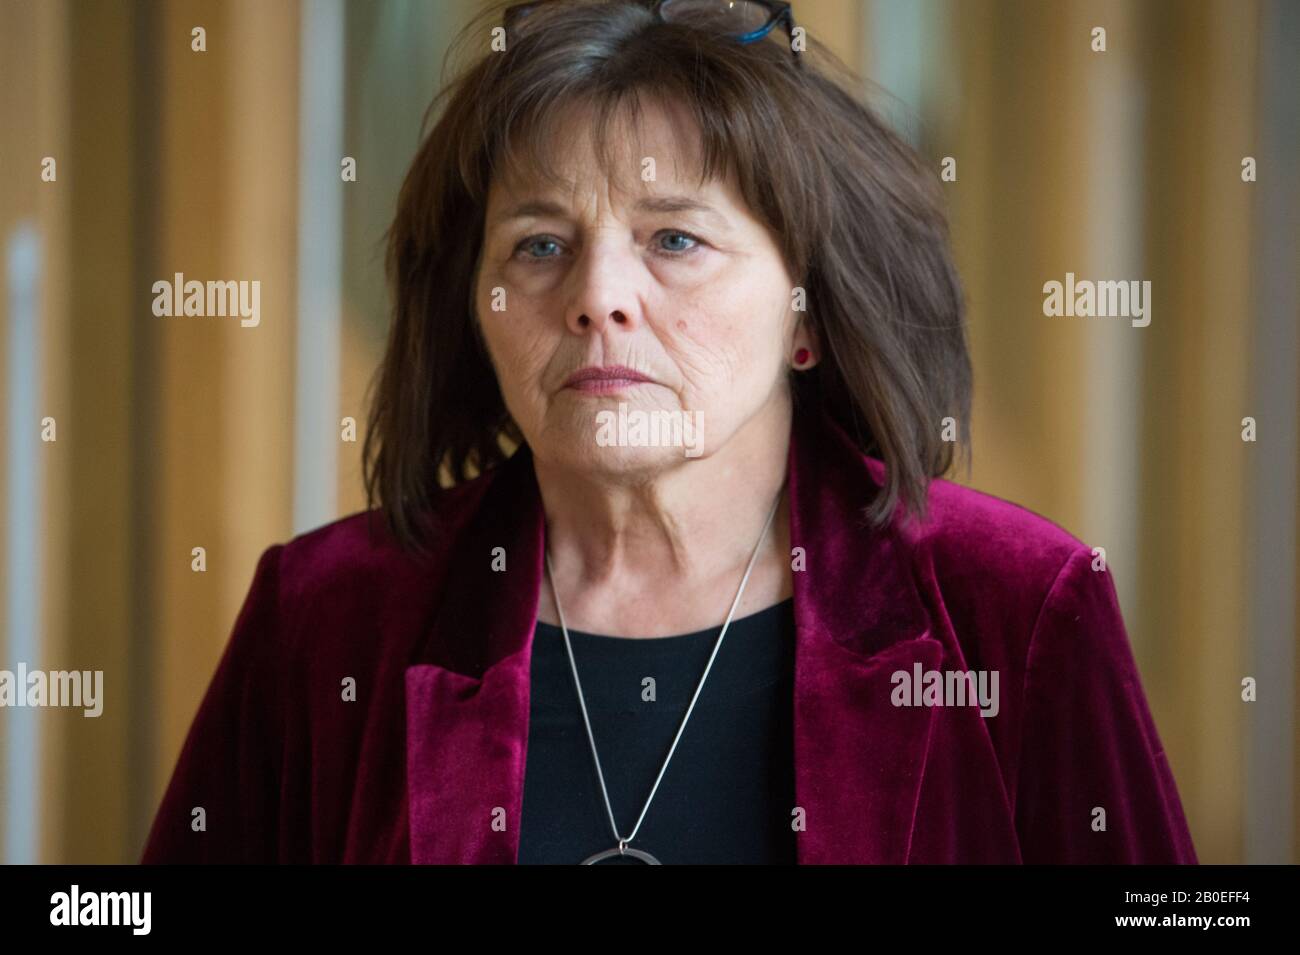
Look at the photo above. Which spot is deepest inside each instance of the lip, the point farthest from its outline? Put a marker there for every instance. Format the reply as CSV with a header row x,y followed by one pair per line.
x,y
605,380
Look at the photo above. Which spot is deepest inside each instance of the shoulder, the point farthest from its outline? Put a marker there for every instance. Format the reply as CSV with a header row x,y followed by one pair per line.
x,y
358,554
973,533
1002,573
347,597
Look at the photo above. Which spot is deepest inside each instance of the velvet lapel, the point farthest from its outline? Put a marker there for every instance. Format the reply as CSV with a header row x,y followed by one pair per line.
x,y
858,617
467,700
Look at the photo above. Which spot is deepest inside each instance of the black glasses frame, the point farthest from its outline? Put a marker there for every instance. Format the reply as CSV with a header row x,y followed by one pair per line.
x,y
781,14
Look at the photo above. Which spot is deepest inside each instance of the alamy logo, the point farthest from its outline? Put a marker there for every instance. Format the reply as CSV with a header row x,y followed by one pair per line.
x,y
1086,299
651,429
946,688
84,688
213,299
102,908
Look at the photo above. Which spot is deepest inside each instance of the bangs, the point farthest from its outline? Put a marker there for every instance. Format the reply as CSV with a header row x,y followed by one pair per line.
x,y
734,111
532,148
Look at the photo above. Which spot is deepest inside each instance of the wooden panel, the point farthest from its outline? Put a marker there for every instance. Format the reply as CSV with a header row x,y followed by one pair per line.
x,y
192,215
91,800
1195,388
225,211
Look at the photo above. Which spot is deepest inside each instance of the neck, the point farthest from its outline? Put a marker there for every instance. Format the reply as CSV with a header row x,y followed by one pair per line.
x,y
658,555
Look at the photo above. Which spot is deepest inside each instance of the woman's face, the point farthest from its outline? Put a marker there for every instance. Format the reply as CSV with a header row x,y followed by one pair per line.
x,y
677,282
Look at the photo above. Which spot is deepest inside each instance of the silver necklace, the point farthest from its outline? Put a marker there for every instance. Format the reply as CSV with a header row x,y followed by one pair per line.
x,y
622,848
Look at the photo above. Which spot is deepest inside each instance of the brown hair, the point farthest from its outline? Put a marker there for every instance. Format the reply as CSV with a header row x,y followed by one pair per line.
x,y
856,213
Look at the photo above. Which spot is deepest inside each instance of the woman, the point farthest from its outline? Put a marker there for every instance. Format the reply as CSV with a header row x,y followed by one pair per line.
x,y
711,599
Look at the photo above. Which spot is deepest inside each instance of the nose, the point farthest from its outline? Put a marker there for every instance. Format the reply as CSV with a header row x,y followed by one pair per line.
x,y
604,290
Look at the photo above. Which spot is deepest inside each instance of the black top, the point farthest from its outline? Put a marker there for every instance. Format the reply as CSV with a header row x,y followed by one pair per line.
x,y
728,794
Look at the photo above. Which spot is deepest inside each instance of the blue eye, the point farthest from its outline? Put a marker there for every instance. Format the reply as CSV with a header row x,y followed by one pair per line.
x,y
679,235
538,248
538,240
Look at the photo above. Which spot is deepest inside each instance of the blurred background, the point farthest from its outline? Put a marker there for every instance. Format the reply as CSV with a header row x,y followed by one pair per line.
x,y
195,432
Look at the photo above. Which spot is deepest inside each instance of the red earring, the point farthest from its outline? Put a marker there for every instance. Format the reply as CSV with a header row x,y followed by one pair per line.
x,y
801,357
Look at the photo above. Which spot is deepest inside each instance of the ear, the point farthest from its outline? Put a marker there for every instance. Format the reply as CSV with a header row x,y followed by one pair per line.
x,y
806,336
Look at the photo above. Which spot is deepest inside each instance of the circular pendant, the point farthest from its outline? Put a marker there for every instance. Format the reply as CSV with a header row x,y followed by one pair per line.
x,y
637,854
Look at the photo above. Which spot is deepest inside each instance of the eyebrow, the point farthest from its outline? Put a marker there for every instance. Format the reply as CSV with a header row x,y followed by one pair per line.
x,y
658,204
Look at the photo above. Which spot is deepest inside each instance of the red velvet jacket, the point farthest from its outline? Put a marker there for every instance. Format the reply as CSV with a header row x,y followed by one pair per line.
x,y
426,764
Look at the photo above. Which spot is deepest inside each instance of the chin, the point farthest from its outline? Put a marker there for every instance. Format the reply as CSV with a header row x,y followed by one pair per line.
x,y
577,450
586,456
618,437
